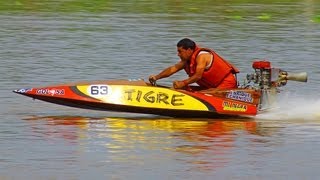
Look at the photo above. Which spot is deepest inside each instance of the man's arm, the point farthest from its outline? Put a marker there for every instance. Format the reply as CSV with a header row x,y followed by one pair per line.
x,y
202,61
168,71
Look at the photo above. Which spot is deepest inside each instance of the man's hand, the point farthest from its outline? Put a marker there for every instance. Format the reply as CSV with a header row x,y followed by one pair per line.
x,y
152,79
179,84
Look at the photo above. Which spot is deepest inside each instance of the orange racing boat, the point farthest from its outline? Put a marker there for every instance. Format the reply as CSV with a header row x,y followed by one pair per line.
x,y
137,96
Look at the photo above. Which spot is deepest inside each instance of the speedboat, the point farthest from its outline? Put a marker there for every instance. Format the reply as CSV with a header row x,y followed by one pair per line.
x,y
255,95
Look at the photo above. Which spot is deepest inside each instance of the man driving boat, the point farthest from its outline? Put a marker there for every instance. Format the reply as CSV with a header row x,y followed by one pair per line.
x,y
204,67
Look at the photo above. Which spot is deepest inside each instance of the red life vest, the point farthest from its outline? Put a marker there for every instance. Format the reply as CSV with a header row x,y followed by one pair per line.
x,y
213,76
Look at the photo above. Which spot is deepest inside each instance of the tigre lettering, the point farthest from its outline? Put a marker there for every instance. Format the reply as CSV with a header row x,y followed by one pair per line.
x,y
154,97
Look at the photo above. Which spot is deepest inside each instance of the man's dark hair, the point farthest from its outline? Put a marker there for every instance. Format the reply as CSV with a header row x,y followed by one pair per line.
x,y
186,44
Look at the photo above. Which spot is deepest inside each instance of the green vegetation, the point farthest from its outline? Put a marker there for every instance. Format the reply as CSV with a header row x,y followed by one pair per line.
x,y
316,19
262,10
264,16
133,6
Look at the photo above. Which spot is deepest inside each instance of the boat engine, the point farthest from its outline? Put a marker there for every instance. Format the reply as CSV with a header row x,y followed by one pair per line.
x,y
267,77
267,80
261,75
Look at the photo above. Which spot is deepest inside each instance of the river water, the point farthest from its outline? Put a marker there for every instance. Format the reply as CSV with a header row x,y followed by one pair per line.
x,y
42,46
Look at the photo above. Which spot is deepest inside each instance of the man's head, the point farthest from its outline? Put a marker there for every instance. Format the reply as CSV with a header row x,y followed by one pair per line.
x,y
185,48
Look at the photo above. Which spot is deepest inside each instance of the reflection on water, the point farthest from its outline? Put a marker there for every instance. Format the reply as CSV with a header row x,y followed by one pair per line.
x,y
204,144
190,145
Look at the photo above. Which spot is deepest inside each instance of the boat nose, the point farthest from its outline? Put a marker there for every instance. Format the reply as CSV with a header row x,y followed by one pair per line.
x,y
16,91
22,91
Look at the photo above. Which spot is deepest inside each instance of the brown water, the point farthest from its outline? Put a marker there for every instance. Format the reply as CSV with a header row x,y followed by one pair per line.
x,y
42,46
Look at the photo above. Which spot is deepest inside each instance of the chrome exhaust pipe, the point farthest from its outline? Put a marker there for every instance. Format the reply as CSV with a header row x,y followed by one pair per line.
x,y
301,77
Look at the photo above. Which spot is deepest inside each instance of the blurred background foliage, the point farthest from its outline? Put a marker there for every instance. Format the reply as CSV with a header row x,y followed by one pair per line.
x,y
234,9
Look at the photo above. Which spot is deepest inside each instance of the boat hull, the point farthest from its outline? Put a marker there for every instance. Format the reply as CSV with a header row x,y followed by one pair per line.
x,y
140,97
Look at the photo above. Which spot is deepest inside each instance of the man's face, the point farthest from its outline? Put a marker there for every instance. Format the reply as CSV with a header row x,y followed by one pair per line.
x,y
184,54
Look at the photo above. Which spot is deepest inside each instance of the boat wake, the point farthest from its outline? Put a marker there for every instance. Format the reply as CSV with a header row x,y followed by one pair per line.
x,y
290,107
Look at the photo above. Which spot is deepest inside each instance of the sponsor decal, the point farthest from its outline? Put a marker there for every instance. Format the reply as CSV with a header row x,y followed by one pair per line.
x,y
240,96
24,90
232,106
51,92
154,97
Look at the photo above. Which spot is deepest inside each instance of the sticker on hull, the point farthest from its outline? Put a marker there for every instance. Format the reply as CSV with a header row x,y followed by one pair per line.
x,y
142,96
240,96
50,91
232,106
